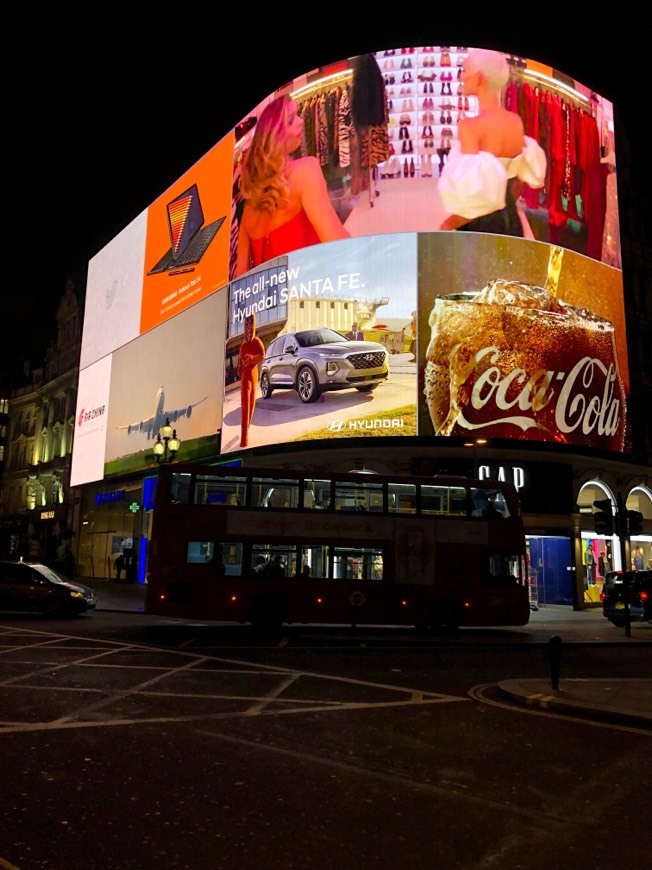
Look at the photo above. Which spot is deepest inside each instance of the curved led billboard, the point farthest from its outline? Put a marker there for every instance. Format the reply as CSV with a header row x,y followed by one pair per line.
x,y
344,263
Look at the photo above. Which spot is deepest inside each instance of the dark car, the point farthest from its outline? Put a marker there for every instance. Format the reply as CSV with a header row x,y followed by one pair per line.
x,y
639,595
313,361
31,587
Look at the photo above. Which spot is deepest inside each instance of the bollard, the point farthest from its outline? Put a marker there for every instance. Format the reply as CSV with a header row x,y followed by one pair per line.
x,y
554,651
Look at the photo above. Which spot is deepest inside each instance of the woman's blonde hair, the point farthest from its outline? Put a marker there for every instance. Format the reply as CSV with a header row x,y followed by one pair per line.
x,y
492,64
263,178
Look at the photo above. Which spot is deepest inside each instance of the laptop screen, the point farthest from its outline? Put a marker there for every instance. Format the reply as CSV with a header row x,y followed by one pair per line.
x,y
185,218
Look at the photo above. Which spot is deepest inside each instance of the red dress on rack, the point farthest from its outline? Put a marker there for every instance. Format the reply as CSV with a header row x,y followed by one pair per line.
x,y
297,232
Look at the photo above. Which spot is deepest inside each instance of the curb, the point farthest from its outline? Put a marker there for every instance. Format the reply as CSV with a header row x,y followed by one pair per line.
x,y
557,702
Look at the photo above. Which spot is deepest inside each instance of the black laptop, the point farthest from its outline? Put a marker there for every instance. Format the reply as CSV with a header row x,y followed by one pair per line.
x,y
188,235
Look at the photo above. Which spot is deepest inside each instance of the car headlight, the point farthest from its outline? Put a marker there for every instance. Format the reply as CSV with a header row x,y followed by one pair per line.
x,y
75,594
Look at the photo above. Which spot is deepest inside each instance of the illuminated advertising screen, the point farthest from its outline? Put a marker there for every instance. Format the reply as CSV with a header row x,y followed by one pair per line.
x,y
371,251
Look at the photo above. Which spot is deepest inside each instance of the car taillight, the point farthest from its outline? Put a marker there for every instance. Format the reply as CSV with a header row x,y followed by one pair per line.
x,y
644,596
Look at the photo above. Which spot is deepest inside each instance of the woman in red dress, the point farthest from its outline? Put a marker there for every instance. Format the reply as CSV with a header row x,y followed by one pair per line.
x,y
286,201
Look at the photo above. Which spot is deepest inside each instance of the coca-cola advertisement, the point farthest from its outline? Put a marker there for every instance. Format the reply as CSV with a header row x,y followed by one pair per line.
x,y
520,340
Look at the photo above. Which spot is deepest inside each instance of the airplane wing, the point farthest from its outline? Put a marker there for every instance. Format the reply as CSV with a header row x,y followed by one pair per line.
x,y
139,426
177,413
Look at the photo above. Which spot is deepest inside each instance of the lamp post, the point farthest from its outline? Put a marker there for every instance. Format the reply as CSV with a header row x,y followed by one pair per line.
x,y
166,444
477,442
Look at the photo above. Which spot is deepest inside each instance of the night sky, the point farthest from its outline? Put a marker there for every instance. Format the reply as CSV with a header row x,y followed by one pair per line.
x,y
100,120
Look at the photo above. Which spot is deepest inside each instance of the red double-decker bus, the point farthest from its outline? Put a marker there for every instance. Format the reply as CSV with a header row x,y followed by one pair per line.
x,y
268,547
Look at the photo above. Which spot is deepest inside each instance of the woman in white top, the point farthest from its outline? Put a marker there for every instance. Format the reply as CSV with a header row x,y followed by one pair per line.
x,y
485,173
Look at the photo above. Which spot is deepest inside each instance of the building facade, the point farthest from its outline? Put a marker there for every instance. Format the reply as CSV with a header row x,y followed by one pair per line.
x,y
38,511
154,334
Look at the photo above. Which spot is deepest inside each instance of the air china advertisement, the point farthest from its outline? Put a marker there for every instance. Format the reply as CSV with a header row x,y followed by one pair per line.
x,y
338,266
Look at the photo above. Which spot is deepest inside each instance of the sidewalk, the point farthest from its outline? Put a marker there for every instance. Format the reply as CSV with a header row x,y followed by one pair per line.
x,y
622,701
611,700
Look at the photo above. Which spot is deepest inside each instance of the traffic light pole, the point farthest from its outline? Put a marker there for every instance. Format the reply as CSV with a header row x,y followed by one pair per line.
x,y
622,528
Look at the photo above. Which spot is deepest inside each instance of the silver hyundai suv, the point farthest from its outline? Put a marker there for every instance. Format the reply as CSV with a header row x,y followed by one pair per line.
x,y
316,360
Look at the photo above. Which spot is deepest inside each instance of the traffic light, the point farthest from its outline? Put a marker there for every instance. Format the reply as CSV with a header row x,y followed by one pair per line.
x,y
603,517
634,522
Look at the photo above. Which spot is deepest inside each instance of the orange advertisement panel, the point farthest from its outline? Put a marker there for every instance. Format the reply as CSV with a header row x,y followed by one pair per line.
x,y
187,242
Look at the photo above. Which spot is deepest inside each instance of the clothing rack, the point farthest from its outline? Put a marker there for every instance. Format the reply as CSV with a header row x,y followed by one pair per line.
x,y
326,83
540,79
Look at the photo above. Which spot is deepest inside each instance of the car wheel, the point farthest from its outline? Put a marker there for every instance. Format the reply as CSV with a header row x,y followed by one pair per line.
x,y
265,386
307,385
367,388
54,610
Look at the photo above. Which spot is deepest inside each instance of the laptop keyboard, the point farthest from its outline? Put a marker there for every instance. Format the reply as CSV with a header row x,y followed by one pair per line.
x,y
197,248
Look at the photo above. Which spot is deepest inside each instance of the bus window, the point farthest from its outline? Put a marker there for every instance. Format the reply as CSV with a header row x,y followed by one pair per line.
x,y
272,560
501,567
348,496
500,502
458,500
199,552
355,496
402,498
232,558
274,492
362,563
437,499
219,490
315,557
320,493
225,558
488,503
434,499
180,488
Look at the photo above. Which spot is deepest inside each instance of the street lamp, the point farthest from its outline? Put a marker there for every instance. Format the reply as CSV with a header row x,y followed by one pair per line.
x,y
166,444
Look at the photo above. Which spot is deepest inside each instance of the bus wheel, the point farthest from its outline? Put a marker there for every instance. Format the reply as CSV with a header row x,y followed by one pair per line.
x,y
445,618
267,612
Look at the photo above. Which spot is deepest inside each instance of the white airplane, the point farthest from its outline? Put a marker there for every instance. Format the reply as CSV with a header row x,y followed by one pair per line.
x,y
153,425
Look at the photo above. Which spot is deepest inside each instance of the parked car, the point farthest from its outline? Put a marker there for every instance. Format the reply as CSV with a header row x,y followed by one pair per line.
x,y
31,587
315,360
639,591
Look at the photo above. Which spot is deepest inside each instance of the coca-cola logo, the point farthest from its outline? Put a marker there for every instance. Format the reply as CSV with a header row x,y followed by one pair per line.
x,y
585,396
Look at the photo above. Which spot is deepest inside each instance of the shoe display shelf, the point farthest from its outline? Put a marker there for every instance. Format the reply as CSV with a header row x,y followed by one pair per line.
x,y
425,103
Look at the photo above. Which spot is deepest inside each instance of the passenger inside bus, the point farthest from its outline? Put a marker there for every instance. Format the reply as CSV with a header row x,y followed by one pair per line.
x,y
274,568
484,505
